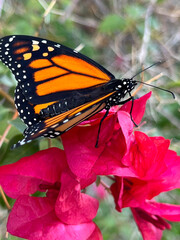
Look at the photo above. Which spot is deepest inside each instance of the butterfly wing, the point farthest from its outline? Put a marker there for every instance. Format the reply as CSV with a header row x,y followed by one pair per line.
x,y
57,125
54,82
48,71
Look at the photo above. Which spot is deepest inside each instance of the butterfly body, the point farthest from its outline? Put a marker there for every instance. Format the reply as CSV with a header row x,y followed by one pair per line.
x,y
57,86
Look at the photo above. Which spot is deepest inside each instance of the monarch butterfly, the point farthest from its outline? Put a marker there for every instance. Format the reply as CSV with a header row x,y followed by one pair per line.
x,y
57,87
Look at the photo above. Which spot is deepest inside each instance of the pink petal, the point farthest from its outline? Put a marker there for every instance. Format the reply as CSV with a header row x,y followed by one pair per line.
x,y
96,235
138,107
146,156
34,218
129,192
117,192
72,206
111,167
79,145
141,155
169,211
147,229
110,160
85,182
99,191
157,168
172,173
25,176
29,214
137,192
126,125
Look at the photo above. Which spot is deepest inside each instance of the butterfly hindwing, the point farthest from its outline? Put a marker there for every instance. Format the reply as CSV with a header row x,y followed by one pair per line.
x,y
57,125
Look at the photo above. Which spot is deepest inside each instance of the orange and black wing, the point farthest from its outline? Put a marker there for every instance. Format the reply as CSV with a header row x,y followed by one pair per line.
x,y
55,83
57,125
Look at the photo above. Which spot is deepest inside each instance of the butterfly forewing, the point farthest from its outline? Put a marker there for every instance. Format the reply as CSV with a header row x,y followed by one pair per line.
x,y
25,109
54,83
45,68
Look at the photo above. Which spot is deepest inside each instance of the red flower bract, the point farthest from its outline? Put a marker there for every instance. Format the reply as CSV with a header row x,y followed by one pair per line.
x,y
64,213
142,168
35,219
115,138
157,169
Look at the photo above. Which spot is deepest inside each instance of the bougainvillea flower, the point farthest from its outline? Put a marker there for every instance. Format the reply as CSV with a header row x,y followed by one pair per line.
x,y
151,218
99,191
150,226
26,175
114,141
157,170
62,213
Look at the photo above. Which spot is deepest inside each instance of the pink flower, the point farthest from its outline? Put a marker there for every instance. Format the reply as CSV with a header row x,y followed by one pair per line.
x,y
62,213
115,139
157,170
99,191
142,166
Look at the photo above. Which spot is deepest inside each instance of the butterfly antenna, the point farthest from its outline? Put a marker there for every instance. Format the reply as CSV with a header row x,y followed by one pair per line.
x,y
157,88
143,70
157,63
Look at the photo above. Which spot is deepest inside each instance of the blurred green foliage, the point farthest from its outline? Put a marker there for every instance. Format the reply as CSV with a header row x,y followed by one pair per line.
x,y
121,36
112,23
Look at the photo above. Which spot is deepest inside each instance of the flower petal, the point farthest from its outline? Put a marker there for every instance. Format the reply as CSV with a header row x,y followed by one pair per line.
x,y
34,218
147,229
79,145
110,160
138,107
26,175
72,206
168,211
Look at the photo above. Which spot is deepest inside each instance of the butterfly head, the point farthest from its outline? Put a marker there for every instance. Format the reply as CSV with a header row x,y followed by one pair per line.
x,y
129,84
125,86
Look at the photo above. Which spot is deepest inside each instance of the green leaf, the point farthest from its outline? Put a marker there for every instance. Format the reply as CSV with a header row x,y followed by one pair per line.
x,y
17,123
4,111
174,84
7,81
11,156
134,11
55,142
10,237
112,23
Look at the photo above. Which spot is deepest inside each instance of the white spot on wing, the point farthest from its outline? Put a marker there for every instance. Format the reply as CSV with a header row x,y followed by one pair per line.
x,y
77,114
66,120
11,38
35,42
57,45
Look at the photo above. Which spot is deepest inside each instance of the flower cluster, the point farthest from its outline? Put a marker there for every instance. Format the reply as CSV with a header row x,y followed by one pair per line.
x,y
141,167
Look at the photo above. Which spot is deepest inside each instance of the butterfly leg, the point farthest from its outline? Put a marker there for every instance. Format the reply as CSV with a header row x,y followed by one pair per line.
x,y
105,115
107,111
127,100
132,98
